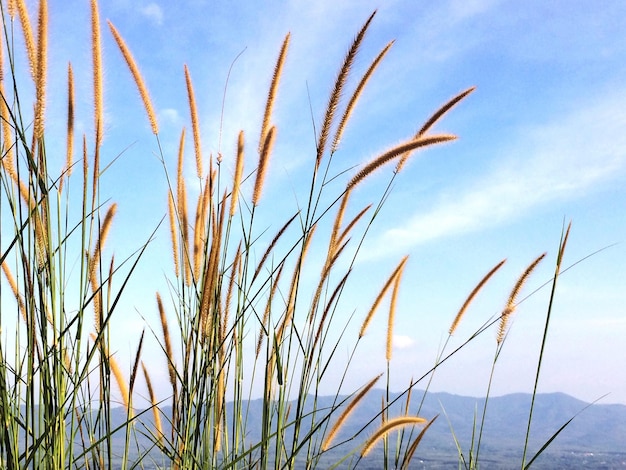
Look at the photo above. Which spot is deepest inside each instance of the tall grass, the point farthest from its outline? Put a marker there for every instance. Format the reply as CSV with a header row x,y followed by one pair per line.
x,y
231,323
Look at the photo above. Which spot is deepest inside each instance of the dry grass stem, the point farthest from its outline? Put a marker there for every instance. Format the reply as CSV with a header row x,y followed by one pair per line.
x,y
470,298
238,174
397,151
329,305
392,312
195,124
263,163
271,96
271,246
355,97
390,425
268,308
41,69
331,259
96,50
335,96
512,301
381,294
229,291
295,279
355,401
134,70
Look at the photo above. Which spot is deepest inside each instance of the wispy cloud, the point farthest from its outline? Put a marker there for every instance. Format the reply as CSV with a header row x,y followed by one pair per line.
x,y
153,12
557,162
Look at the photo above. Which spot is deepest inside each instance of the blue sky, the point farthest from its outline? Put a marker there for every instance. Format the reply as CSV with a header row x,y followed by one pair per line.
x,y
542,140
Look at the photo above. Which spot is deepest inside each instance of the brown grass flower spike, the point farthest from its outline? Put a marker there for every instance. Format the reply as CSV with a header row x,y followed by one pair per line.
x,y
155,410
134,70
271,96
41,69
349,409
335,96
381,294
389,426
355,97
392,310
96,50
29,39
433,120
238,174
397,151
195,124
511,303
263,164
468,301
69,155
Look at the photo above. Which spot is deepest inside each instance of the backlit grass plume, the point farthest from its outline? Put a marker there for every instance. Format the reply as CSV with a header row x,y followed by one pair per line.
x,y
134,70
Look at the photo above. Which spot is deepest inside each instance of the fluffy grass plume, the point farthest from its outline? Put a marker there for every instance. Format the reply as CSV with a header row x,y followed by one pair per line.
x,y
195,123
167,341
69,153
406,461
234,198
14,288
356,95
512,300
153,402
29,39
271,95
96,52
470,298
349,409
263,164
380,296
171,211
397,151
335,95
387,427
41,69
432,121
392,311
134,70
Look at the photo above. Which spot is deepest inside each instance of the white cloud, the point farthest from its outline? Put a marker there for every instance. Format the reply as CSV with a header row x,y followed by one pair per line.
x,y
170,116
402,341
557,162
153,12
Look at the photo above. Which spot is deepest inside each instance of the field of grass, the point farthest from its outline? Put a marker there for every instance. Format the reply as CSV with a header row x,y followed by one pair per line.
x,y
231,317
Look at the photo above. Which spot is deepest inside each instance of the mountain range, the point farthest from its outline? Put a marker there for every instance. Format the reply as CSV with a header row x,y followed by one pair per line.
x,y
595,438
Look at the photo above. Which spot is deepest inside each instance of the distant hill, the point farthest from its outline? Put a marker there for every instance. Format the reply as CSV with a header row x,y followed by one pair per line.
x,y
594,439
